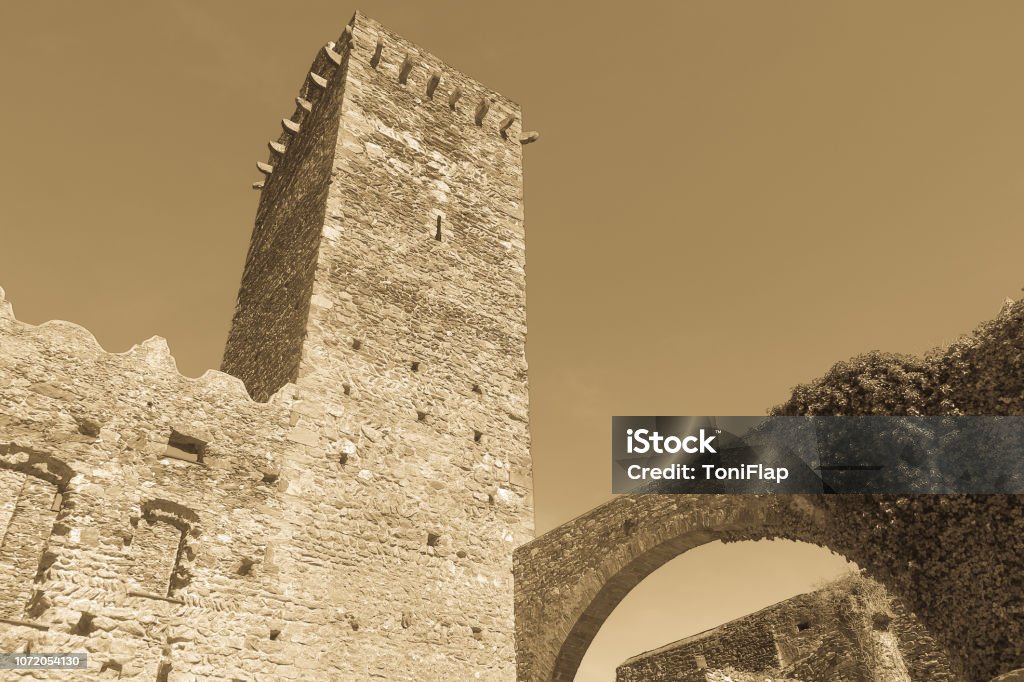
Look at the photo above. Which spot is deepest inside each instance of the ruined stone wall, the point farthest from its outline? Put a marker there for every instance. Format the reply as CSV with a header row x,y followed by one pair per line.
x,y
357,520
850,631
955,562
137,507
751,647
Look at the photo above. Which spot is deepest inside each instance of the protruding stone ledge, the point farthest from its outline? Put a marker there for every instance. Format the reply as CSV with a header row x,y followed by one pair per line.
x,y
435,80
454,97
333,55
377,51
506,123
404,70
481,110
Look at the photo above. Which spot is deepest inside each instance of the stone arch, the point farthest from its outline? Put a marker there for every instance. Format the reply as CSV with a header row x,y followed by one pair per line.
x,y
569,580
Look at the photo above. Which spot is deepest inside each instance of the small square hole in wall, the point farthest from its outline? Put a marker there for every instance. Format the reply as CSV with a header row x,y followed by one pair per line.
x,y
357,344
478,436
113,667
414,366
477,389
84,627
433,539
185,448
803,625
421,416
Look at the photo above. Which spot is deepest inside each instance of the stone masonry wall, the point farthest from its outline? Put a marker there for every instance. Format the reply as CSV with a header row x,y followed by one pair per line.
x,y
268,329
357,520
416,336
850,631
133,552
955,562
750,646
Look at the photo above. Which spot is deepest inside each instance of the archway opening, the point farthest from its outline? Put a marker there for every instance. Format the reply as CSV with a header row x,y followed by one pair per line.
x,y
703,588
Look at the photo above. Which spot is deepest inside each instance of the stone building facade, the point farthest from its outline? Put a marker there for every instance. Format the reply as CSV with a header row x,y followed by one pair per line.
x,y
849,631
353,519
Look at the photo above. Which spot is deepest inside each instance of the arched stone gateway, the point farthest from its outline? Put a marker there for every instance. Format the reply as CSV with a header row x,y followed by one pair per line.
x,y
956,562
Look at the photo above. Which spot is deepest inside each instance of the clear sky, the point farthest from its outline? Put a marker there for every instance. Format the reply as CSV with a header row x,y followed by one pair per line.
x,y
727,197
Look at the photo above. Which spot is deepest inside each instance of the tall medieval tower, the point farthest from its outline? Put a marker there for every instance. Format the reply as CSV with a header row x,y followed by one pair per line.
x,y
385,280
350,516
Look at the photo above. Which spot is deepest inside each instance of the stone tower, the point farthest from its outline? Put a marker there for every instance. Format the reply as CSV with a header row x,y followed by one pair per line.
x,y
385,279
357,519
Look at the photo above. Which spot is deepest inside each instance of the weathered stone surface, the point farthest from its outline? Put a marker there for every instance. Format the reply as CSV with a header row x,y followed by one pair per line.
x,y
850,631
121,548
955,562
357,520
342,525
730,675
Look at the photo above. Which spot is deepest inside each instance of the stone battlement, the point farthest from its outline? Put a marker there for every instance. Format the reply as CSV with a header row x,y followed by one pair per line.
x,y
452,97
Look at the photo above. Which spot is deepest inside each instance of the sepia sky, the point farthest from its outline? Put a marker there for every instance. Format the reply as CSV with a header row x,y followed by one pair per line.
x,y
726,198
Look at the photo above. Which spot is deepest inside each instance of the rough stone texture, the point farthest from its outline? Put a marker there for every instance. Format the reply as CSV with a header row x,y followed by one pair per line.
x,y
955,562
99,579
730,675
357,520
850,631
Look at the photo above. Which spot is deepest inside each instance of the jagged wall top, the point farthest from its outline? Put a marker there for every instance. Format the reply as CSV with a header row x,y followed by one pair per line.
x,y
78,342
